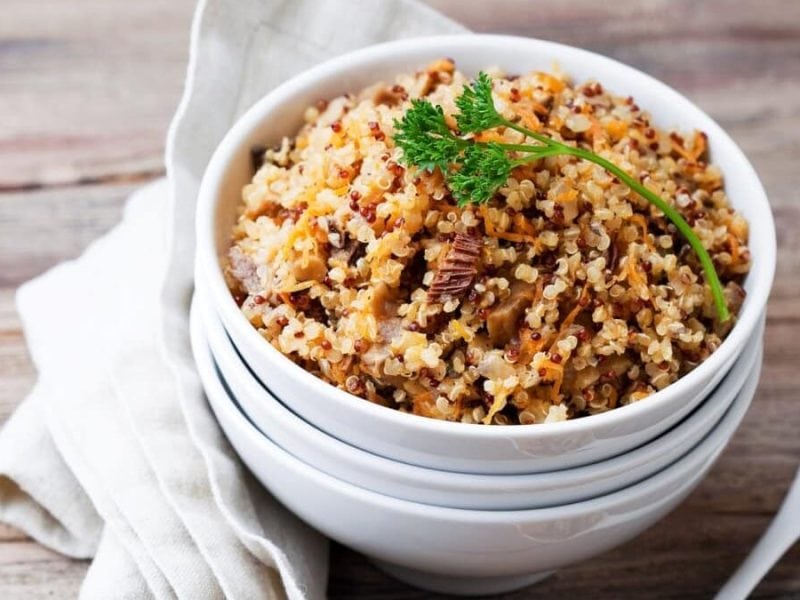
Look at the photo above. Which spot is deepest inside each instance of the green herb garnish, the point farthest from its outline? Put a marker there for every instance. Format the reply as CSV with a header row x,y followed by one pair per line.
x,y
474,171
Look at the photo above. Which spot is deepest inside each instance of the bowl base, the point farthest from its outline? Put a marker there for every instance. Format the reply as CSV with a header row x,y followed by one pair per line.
x,y
458,585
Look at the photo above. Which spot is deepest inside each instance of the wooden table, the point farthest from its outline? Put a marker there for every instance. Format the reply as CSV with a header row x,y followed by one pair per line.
x,y
87,90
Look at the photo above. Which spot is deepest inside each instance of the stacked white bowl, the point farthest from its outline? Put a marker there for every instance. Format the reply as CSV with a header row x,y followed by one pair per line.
x,y
447,506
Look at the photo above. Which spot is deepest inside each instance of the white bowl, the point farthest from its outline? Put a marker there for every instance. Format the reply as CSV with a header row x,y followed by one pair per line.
x,y
461,490
454,550
457,446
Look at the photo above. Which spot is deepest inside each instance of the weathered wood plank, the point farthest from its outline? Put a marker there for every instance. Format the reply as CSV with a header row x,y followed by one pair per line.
x,y
31,572
44,227
87,88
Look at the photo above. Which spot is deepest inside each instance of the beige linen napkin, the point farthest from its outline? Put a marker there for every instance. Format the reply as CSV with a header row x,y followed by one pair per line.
x,y
115,454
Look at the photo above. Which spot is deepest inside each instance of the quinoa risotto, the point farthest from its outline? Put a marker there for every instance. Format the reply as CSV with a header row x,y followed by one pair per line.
x,y
565,295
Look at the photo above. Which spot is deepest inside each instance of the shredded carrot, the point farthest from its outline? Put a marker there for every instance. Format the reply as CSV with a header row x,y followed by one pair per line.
x,y
530,120
570,318
337,140
340,371
630,270
529,347
489,136
567,196
498,405
319,234
698,147
423,404
517,238
444,206
523,225
539,108
642,223
638,395
458,329
556,373
297,287
677,147
558,368
631,273
553,84
286,298
612,398
735,248
391,222
597,132
303,226
529,104
617,129
555,391
441,64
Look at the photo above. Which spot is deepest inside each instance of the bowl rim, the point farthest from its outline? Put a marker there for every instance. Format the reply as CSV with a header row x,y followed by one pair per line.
x,y
705,452
731,384
221,298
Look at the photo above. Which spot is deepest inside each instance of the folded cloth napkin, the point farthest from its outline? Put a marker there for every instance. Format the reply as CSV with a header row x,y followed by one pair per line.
x,y
115,454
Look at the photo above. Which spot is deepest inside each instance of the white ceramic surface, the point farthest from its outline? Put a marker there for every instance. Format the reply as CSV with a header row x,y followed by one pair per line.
x,y
462,490
453,446
456,550
782,534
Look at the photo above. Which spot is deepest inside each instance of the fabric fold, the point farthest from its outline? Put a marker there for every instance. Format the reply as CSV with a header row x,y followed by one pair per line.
x,y
113,574
38,492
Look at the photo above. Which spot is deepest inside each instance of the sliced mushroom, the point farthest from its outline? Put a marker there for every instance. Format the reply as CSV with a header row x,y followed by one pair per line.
x,y
502,322
457,271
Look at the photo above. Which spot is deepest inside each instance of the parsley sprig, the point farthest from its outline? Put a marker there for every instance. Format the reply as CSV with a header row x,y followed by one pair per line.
x,y
474,170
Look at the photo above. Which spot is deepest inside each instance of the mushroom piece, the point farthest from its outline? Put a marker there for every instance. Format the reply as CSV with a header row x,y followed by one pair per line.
x,y
458,269
311,269
501,323
382,300
244,270
384,308
349,253
735,295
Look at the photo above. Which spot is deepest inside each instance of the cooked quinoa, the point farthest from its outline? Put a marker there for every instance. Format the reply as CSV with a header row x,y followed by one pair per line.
x,y
566,295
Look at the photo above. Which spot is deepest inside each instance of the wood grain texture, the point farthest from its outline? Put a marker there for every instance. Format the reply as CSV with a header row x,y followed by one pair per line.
x,y
87,88
86,92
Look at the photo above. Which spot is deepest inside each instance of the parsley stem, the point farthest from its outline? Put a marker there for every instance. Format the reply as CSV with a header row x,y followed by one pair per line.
x,y
543,152
522,147
671,213
677,220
